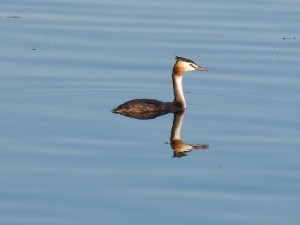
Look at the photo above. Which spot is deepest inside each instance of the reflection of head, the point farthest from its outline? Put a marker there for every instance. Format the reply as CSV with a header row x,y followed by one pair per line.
x,y
180,148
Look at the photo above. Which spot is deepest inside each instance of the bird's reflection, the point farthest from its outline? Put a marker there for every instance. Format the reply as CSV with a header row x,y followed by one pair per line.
x,y
180,148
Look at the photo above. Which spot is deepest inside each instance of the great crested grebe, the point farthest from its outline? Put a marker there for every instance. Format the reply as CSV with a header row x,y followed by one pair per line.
x,y
137,107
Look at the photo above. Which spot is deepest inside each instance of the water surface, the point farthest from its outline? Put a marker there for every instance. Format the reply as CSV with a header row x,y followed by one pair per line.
x,y
66,159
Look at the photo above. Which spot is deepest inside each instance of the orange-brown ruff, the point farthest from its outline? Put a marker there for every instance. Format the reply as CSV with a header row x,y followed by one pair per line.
x,y
151,108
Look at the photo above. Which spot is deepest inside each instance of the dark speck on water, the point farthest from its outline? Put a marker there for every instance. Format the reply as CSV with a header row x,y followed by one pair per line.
x,y
14,17
288,38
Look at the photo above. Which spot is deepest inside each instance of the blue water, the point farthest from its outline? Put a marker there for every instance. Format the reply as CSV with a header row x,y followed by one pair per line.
x,y
66,159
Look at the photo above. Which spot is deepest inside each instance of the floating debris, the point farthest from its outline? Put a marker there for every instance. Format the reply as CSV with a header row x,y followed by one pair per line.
x,y
14,17
289,38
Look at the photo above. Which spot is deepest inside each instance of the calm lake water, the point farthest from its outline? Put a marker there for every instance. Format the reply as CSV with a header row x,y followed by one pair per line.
x,y
66,159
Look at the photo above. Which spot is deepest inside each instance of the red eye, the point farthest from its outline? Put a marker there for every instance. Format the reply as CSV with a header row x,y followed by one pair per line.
x,y
192,65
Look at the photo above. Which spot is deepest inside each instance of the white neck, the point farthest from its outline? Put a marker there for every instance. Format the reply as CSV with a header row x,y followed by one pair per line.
x,y
178,91
177,123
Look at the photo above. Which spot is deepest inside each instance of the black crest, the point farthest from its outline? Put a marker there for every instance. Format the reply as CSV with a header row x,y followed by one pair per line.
x,y
178,58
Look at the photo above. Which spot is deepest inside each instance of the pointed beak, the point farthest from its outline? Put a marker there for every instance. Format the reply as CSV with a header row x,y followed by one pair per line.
x,y
199,68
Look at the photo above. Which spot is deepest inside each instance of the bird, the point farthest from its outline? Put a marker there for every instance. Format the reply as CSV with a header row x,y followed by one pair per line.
x,y
151,108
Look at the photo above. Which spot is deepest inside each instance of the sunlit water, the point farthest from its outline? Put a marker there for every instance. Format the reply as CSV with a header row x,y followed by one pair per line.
x,y
66,159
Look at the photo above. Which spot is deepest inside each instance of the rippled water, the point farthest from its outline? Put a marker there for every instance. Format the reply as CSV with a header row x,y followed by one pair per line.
x,y
66,159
